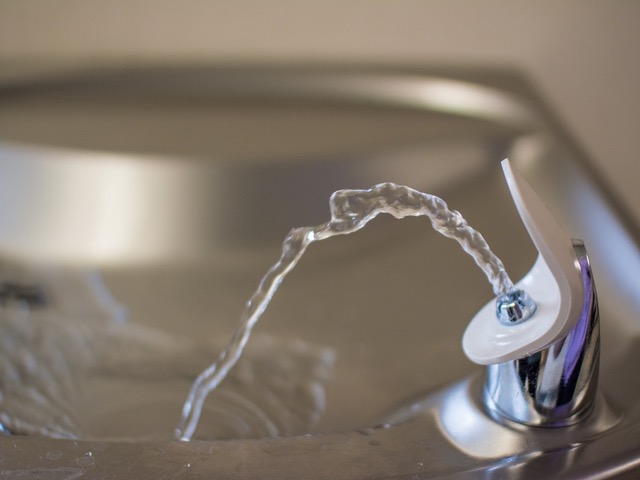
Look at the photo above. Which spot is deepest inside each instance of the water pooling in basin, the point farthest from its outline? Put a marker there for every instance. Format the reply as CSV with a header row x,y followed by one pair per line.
x,y
73,366
351,210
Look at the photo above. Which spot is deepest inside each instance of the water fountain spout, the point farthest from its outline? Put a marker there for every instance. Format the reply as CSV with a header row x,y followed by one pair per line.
x,y
542,371
555,386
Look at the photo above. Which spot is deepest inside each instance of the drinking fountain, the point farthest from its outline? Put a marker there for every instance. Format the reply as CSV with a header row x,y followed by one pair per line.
x,y
140,206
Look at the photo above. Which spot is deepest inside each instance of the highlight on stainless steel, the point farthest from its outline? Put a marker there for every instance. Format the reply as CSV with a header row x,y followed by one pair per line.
x,y
514,307
555,386
119,194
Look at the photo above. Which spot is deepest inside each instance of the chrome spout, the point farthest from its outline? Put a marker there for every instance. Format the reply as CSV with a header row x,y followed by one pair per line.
x,y
541,357
555,386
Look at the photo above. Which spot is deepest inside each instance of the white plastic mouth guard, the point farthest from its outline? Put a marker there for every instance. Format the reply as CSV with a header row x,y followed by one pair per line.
x,y
554,283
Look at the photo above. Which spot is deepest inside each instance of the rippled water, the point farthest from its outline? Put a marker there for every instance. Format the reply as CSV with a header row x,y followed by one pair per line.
x,y
76,368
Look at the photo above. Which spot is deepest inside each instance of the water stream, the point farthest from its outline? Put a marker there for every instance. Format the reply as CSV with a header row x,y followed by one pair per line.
x,y
351,210
73,366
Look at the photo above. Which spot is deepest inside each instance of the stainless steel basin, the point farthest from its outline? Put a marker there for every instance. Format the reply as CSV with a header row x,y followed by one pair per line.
x,y
178,184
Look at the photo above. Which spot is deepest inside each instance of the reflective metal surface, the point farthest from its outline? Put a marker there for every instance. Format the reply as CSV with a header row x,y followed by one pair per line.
x,y
179,184
514,307
557,386
241,144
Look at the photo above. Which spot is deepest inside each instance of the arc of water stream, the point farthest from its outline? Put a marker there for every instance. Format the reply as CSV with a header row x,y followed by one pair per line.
x,y
351,210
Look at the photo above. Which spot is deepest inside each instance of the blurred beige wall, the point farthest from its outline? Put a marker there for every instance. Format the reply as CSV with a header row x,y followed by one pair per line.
x,y
584,56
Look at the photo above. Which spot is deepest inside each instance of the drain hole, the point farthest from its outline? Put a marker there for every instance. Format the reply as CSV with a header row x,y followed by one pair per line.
x,y
33,296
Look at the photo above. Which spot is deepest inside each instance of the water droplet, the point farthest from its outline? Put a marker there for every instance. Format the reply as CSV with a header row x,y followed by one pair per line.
x,y
86,460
